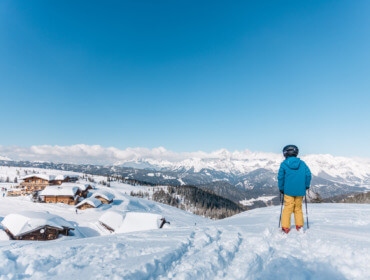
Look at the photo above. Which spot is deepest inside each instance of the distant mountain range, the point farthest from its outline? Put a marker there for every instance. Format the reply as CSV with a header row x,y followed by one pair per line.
x,y
237,176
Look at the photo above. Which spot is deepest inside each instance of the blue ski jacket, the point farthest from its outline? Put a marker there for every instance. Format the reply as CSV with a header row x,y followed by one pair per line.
x,y
294,177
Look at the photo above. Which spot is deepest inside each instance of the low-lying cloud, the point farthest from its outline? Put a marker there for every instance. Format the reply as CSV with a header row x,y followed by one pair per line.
x,y
96,154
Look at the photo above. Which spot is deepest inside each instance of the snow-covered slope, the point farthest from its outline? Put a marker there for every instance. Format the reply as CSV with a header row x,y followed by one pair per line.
x,y
246,246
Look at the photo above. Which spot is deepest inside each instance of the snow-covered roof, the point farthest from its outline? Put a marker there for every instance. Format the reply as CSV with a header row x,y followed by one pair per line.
x,y
82,187
59,191
92,201
27,221
50,177
113,219
62,177
41,176
104,194
137,221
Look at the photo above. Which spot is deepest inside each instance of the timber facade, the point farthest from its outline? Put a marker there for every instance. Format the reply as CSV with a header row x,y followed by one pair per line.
x,y
42,233
70,200
85,206
103,200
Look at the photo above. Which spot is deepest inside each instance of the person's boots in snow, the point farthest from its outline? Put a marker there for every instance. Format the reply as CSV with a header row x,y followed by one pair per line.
x,y
299,228
285,230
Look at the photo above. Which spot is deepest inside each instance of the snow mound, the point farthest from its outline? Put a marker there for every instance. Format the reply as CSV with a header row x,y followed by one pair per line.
x,y
136,221
23,222
113,219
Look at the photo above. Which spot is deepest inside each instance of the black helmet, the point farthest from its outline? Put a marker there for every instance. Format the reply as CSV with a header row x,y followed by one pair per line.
x,y
290,151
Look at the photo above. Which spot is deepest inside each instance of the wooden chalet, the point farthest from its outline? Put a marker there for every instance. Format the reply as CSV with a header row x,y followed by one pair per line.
x,y
60,194
104,196
35,226
37,182
89,203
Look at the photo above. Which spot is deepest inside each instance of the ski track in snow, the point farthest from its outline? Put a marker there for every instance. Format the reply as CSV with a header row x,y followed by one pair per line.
x,y
246,246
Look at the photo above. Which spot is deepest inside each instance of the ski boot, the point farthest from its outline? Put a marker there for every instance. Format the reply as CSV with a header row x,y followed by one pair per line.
x,y
285,230
299,228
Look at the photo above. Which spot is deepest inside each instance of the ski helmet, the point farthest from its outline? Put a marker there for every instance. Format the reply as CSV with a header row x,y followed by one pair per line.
x,y
290,151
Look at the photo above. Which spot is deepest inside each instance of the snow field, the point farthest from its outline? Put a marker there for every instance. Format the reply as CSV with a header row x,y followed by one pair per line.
x,y
246,246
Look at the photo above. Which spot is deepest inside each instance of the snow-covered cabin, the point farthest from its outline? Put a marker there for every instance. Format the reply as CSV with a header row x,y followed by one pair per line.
x,y
30,225
138,221
89,203
103,196
58,194
35,182
83,188
112,220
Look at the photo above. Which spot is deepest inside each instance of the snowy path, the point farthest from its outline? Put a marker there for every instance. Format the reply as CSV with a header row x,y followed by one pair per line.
x,y
246,246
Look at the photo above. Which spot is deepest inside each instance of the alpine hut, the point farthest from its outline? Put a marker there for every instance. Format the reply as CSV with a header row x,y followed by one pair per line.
x,y
35,226
89,203
58,194
104,196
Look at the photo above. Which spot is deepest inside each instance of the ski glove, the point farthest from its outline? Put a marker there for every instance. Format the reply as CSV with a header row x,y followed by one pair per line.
x,y
282,192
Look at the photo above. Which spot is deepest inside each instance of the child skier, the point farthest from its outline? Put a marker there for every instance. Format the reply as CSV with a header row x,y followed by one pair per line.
x,y
294,179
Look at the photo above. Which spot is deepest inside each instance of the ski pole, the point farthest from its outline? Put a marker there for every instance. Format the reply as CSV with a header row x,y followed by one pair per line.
x,y
281,210
305,199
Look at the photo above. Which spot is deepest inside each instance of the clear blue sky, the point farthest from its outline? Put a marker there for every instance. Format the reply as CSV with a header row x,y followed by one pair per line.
x,y
187,75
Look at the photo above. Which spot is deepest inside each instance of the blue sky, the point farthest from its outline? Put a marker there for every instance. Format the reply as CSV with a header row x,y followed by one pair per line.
x,y
187,75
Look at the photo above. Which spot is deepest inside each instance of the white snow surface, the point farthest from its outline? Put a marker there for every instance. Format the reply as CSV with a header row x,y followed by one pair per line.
x,y
246,246
26,221
136,221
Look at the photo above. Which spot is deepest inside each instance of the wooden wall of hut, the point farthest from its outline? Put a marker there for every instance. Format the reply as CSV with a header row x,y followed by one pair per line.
x,y
85,206
44,233
60,199
103,200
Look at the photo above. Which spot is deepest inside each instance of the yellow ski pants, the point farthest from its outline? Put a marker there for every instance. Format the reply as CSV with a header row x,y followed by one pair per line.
x,y
292,204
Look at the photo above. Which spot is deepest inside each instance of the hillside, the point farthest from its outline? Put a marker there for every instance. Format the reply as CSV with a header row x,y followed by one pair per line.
x,y
246,246
189,198
351,198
